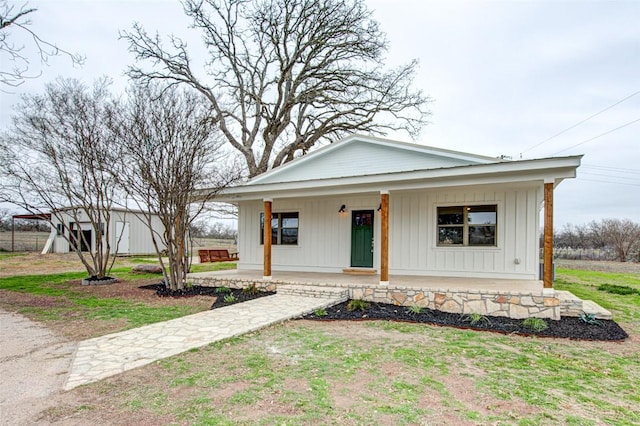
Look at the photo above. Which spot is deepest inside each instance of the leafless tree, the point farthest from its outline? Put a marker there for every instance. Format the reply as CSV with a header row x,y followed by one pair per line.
x,y
56,160
284,75
623,235
15,63
169,148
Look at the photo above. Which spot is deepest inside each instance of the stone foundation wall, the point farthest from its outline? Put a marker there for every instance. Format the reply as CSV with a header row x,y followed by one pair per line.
x,y
500,304
505,304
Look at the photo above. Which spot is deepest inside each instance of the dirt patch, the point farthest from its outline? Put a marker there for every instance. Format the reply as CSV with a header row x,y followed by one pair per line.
x,y
34,363
600,265
37,264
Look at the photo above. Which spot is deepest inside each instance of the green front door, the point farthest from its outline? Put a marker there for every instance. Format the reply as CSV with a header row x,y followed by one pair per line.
x,y
362,238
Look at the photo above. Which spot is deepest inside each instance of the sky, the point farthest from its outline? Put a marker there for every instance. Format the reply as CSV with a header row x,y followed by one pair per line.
x,y
505,77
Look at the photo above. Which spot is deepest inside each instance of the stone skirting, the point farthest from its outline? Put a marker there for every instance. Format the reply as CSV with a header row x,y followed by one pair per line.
x,y
512,304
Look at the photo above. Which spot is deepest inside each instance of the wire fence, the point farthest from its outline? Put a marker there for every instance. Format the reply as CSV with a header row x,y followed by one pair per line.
x,y
23,241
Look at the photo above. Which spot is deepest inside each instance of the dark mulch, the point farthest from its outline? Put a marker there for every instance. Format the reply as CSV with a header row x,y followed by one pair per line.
x,y
567,327
195,290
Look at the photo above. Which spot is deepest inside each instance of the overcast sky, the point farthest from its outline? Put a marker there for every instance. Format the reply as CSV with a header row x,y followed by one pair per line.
x,y
505,76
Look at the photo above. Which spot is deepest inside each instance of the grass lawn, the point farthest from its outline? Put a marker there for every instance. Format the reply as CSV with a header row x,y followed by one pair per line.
x,y
359,373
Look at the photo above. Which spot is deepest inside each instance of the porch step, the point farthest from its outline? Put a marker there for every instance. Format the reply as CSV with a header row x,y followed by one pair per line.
x,y
339,294
591,307
573,306
359,271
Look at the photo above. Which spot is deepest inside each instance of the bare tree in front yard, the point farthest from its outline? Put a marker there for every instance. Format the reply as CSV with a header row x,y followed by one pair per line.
x,y
623,235
285,75
168,149
55,160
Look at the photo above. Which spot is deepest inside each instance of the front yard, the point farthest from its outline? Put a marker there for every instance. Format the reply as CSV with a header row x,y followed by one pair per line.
x,y
379,372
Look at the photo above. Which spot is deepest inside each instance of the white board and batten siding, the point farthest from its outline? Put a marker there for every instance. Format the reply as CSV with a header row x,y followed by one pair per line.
x,y
324,235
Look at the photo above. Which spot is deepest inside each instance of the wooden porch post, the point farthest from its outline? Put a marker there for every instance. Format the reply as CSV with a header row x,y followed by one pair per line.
x,y
384,238
547,274
267,240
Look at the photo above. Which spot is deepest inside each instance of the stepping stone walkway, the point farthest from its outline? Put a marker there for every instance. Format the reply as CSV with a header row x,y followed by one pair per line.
x,y
106,356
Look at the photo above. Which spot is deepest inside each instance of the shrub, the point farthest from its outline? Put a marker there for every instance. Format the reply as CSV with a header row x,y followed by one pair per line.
x,y
535,324
223,290
414,309
229,298
618,289
476,319
589,319
357,304
322,312
252,289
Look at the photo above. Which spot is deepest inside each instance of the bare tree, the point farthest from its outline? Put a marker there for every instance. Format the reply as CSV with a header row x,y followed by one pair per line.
x,y
284,75
621,234
168,150
14,54
56,157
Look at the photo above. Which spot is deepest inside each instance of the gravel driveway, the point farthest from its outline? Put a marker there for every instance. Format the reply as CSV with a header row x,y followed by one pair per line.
x,y
34,363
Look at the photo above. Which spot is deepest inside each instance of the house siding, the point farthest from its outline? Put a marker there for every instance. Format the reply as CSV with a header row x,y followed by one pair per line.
x,y
324,241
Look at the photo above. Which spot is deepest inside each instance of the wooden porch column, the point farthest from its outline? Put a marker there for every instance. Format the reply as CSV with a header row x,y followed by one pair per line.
x,y
384,238
267,240
547,272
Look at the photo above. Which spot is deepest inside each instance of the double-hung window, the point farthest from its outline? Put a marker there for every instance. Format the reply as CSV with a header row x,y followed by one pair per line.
x,y
467,225
284,228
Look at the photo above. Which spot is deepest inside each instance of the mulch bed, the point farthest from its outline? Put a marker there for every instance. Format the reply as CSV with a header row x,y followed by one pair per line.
x,y
239,295
567,327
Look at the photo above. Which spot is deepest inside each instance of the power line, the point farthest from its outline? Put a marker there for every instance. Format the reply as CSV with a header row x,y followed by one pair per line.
x,y
612,169
615,183
579,123
610,176
596,137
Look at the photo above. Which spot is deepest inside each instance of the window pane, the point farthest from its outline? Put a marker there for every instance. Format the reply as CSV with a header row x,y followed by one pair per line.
x,y
450,235
289,236
289,222
450,216
482,215
482,235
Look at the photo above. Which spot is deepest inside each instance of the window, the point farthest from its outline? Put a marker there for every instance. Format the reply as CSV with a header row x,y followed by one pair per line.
x,y
284,228
467,225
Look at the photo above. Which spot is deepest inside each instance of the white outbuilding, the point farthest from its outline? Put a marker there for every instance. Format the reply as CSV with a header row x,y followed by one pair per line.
x,y
126,230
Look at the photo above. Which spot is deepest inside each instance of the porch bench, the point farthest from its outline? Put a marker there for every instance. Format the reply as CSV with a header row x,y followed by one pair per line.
x,y
216,255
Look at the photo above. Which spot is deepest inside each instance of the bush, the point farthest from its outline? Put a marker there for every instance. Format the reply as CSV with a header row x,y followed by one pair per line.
x,y
535,324
476,319
357,304
618,289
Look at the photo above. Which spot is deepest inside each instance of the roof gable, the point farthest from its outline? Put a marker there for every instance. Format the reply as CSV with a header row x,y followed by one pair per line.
x,y
363,156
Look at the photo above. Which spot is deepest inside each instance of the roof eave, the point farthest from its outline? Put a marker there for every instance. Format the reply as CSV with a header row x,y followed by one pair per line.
x,y
518,171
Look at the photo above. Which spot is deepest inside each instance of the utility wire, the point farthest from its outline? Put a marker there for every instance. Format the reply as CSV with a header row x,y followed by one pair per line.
x,y
612,169
577,124
614,183
596,137
635,179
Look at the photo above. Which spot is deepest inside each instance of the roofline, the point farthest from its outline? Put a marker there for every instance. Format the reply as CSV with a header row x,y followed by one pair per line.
x,y
557,168
378,141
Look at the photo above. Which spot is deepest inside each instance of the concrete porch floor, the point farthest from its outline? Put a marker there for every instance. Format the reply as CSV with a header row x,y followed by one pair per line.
x,y
422,282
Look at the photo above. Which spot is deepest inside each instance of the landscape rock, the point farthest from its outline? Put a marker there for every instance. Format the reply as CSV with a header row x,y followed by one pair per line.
x,y
147,269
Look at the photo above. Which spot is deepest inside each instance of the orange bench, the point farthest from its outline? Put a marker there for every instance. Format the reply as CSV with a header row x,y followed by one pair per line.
x,y
216,255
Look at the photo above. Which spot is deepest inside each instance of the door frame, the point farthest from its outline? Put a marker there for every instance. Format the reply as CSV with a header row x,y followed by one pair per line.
x,y
368,245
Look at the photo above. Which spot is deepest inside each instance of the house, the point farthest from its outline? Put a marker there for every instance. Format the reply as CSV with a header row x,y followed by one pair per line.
x,y
126,229
366,204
